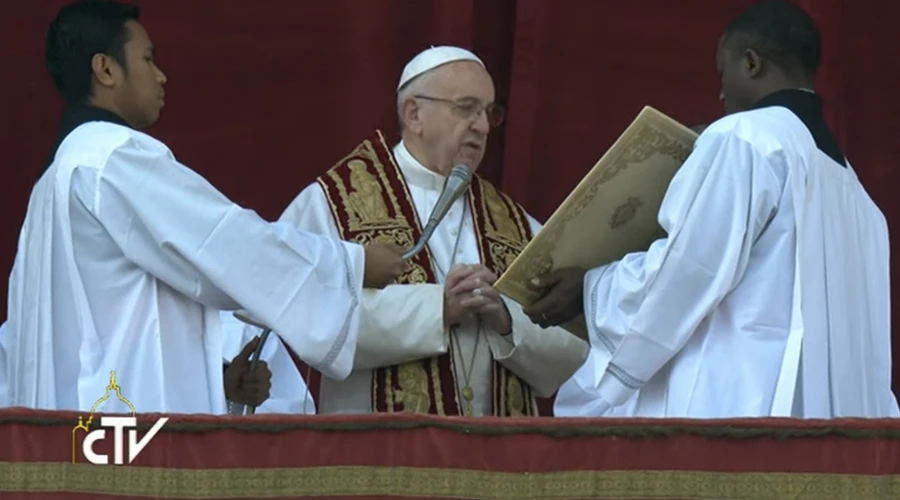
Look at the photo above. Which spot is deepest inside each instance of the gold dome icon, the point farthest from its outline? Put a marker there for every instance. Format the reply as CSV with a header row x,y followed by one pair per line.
x,y
86,426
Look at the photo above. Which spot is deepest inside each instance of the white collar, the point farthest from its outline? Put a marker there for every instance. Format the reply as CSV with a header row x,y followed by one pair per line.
x,y
414,172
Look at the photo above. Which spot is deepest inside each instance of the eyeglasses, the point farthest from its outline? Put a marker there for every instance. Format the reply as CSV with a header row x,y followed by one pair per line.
x,y
469,108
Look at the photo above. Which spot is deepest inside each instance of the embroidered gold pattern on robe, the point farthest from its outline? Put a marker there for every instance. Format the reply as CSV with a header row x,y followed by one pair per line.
x,y
502,231
370,202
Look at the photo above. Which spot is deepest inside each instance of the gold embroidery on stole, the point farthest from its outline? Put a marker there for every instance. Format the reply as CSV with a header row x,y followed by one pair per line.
x,y
370,202
503,231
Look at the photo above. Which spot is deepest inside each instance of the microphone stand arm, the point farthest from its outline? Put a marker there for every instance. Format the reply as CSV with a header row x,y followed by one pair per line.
x,y
420,245
455,185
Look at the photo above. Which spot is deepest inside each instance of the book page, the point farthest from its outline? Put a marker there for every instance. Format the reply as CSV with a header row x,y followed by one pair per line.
x,y
611,212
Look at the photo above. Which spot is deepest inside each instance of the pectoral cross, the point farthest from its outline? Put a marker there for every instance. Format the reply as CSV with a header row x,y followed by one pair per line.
x,y
468,394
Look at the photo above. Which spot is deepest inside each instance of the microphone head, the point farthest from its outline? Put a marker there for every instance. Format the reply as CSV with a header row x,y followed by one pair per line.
x,y
456,183
458,179
462,171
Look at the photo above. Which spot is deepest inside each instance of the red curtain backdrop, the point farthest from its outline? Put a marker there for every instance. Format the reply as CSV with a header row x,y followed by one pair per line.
x,y
262,97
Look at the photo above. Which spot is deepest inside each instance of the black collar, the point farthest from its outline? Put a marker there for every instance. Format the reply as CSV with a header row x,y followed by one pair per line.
x,y
77,115
807,105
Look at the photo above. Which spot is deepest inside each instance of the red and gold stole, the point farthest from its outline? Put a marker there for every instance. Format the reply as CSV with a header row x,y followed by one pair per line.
x,y
370,202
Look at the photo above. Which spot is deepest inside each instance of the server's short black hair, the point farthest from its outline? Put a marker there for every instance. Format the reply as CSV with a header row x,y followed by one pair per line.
x,y
79,32
781,33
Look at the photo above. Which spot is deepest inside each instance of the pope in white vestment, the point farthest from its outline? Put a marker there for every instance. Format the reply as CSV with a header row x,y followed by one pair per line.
x,y
407,359
770,295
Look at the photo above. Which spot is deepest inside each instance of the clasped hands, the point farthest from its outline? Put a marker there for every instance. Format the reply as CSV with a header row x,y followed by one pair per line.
x,y
562,297
469,294
469,291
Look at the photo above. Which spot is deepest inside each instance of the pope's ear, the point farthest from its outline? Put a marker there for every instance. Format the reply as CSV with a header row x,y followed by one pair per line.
x,y
410,112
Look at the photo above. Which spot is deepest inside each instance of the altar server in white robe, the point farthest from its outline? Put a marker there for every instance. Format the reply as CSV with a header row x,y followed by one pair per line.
x,y
126,256
770,294
443,340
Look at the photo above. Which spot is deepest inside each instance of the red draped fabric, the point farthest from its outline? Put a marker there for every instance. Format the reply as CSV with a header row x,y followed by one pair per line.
x,y
263,97
407,456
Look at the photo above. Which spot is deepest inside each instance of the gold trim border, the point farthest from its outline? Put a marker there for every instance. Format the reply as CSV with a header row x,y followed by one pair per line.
x,y
152,482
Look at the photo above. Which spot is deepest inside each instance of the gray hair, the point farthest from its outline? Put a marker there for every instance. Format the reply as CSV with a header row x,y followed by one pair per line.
x,y
416,86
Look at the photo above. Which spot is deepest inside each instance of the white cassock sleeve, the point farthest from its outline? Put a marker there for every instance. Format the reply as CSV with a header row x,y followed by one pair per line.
x,y
644,308
392,329
172,223
542,357
578,397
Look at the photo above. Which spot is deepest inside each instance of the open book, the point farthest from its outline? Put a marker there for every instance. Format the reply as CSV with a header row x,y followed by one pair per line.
x,y
612,212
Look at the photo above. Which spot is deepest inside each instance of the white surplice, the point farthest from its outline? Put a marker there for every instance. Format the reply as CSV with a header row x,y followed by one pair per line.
x,y
403,323
769,297
124,260
289,392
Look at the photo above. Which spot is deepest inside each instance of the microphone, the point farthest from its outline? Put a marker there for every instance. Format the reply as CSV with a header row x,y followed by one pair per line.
x,y
454,186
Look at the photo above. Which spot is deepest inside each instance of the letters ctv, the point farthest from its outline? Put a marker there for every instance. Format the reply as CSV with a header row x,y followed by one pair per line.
x,y
112,432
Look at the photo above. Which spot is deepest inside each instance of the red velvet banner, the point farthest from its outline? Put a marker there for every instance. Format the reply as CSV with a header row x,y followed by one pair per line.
x,y
405,456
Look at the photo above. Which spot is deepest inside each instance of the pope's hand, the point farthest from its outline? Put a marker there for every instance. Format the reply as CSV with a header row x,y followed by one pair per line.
x,y
469,293
384,263
245,386
562,299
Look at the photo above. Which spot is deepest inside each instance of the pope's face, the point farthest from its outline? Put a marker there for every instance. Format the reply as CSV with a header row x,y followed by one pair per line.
x,y
454,114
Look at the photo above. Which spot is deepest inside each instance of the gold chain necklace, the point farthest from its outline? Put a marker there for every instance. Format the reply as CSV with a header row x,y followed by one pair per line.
x,y
468,394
